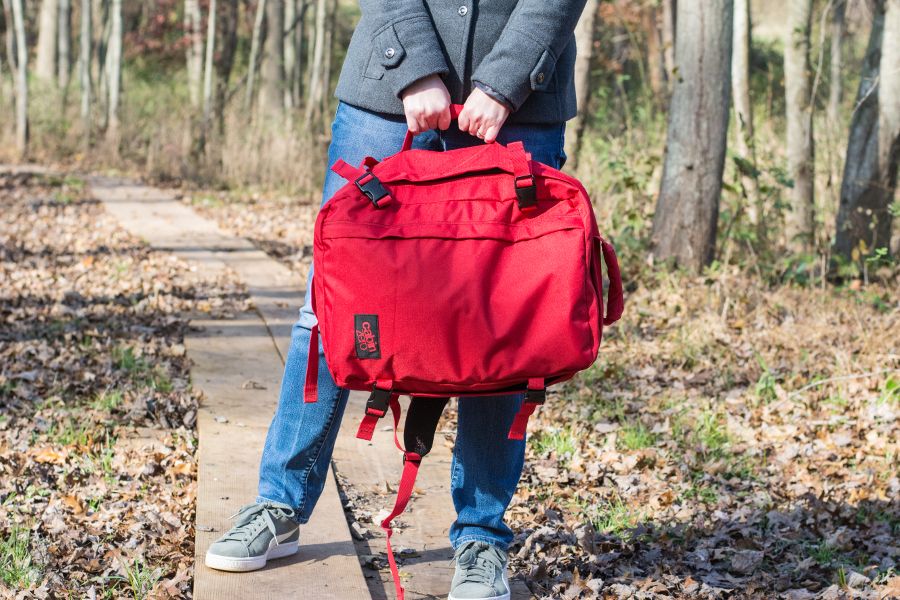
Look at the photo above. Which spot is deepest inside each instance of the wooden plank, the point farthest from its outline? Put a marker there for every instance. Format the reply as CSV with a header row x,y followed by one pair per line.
x,y
424,527
238,366
233,422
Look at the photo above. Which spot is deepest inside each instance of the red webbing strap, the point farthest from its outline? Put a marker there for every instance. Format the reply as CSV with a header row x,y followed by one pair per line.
x,y
371,418
519,159
411,462
455,109
615,298
347,171
520,422
311,387
311,384
523,179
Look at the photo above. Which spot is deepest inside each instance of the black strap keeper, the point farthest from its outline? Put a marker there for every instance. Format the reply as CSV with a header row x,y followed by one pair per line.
x,y
371,187
526,191
378,401
535,396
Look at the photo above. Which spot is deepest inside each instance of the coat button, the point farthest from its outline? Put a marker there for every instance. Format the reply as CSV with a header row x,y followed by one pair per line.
x,y
463,10
540,78
389,53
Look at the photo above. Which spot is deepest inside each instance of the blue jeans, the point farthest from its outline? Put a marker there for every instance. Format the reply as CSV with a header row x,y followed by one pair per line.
x,y
486,465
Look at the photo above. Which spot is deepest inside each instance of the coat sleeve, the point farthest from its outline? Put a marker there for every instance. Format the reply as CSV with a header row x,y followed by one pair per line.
x,y
524,56
408,43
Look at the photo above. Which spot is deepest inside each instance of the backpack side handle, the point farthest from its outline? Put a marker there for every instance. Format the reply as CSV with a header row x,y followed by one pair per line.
x,y
615,297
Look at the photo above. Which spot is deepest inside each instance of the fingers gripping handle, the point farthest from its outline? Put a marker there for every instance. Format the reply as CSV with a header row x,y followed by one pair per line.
x,y
455,109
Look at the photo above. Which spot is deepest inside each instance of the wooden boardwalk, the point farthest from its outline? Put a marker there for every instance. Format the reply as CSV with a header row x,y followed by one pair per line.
x,y
238,365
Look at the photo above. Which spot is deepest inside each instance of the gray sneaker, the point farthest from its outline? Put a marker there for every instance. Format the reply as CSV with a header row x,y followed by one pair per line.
x,y
480,573
261,532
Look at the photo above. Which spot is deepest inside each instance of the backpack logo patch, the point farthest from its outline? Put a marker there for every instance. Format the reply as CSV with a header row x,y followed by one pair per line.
x,y
368,343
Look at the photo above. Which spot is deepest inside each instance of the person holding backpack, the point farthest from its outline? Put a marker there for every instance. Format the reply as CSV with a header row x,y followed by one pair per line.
x,y
512,66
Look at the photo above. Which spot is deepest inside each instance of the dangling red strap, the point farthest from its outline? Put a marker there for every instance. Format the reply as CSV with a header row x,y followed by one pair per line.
x,y
520,423
370,420
411,462
311,388
534,397
347,171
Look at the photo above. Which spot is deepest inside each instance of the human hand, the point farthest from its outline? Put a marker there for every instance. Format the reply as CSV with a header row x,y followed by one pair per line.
x,y
482,116
426,104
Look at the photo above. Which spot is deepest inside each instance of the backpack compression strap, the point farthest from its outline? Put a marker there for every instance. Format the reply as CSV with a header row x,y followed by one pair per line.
x,y
418,438
534,397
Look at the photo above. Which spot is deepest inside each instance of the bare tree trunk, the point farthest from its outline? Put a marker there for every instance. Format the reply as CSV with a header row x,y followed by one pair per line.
x,y
64,45
743,110
799,107
208,67
271,71
228,25
290,52
584,42
84,69
873,150
684,225
836,85
254,51
656,69
18,13
668,39
10,39
114,61
101,30
45,61
315,90
326,63
297,39
193,28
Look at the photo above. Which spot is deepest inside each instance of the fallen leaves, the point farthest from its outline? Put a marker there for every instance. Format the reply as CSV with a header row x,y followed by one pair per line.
x,y
97,453
731,441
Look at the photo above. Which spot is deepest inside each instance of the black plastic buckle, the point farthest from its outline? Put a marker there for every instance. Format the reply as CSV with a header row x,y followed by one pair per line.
x,y
535,396
371,187
526,194
377,404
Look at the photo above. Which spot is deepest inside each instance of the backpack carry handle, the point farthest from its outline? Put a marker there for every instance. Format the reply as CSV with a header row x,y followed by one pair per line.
x,y
455,109
615,297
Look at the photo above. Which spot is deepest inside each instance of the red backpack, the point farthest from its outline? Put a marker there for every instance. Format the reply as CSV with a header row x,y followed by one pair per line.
x,y
470,272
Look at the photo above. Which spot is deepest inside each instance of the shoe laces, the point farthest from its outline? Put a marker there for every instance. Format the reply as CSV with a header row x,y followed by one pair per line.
x,y
479,562
251,519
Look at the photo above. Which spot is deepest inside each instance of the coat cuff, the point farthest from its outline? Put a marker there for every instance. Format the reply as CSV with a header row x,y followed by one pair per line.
x,y
494,94
514,70
422,55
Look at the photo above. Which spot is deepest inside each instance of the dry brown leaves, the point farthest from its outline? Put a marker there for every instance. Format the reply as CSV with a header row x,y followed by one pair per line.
x,y
97,467
732,441
708,453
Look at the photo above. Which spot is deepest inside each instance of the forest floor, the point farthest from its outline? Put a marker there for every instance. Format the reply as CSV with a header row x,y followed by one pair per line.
x,y
733,440
97,415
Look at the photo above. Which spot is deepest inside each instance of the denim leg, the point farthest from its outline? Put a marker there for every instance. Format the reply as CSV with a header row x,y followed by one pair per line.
x,y
485,470
301,437
486,465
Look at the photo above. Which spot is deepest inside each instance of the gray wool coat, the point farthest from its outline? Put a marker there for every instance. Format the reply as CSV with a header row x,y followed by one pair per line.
x,y
523,51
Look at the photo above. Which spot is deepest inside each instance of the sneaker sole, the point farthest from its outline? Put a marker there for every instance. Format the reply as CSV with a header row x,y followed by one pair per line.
x,y
242,565
501,597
